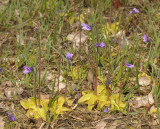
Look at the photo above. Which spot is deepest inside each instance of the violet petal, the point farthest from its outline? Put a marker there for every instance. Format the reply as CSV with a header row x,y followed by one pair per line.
x,y
106,110
145,39
68,56
11,117
27,69
129,65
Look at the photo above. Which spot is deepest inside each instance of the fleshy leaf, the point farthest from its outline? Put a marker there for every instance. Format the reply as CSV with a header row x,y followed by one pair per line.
x,y
100,88
101,104
115,105
102,79
58,108
37,113
85,98
102,97
64,109
144,74
92,100
28,104
75,73
73,17
60,101
87,92
69,102
90,107
111,30
24,104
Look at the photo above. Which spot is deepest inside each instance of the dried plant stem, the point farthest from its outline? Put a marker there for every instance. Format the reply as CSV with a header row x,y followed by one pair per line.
x,y
110,20
59,71
35,92
79,53
137,80
92,65
109,70
93,77
39,86
66,86
95,88
121,84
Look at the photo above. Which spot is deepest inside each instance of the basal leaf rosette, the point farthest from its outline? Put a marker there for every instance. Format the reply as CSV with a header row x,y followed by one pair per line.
x,y
41,110
73,18
101,100
113,29
91,99
74,73
34,111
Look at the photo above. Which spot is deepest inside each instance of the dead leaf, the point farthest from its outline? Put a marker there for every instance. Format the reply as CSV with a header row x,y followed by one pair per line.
x,y
7,84
1,123
11,92
144,81
75,38
138,102
17,13
153,113
45,96
121,38
114,125
101,125
18,83
153,109
75,25
1,105
49,76
8,92
144,89
19,90
61,84
20,39
32,39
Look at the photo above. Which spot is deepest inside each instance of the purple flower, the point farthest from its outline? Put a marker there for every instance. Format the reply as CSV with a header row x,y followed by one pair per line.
x,y
59,11
102,45
74,89
129,65
108,82
86,27
1,70
27,69
85,59
11,117
134,11
145,39
106,110
69,56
